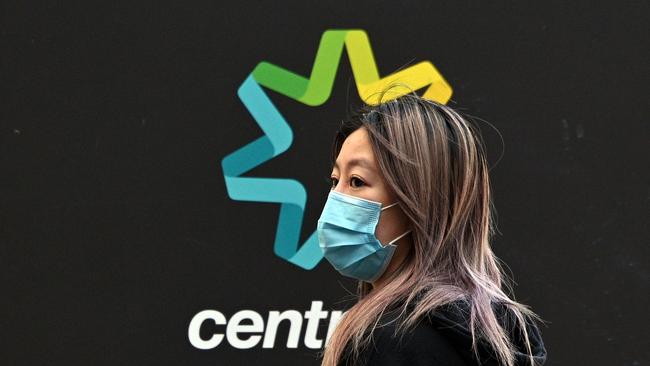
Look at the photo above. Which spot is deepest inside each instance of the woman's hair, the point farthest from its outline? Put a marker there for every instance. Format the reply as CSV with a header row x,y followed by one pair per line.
x,y
434,161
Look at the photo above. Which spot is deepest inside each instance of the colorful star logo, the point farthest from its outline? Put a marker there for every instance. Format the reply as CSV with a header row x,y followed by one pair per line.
x,y
278,136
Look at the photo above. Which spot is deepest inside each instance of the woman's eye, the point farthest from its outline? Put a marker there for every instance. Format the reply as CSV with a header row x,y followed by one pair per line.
x,y
354,182
359,182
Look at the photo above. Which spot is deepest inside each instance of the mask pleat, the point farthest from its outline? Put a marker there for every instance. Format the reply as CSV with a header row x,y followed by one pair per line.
x,y
332,236
349,218
362,256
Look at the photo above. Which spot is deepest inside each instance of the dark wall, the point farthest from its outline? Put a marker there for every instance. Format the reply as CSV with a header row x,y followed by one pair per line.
x,y
116,227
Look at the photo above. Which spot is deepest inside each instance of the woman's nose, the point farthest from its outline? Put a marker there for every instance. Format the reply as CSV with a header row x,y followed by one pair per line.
x,y
340,188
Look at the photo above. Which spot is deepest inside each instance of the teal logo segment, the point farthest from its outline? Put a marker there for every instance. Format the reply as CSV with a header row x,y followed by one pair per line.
x,y
290,193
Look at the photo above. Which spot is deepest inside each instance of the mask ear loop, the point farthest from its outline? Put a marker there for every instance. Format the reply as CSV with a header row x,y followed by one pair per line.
x,y
398,238
389,206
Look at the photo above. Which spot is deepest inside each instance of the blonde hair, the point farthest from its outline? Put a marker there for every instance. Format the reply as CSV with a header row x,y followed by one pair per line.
x,y
434,161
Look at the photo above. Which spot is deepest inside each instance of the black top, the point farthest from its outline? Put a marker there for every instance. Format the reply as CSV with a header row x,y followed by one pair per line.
x,y
442,338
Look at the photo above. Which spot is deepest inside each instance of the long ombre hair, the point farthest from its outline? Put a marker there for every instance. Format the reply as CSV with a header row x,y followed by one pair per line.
x,y
434,160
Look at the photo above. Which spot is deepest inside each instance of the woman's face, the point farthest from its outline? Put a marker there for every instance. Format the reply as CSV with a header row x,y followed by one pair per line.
x,y
355,173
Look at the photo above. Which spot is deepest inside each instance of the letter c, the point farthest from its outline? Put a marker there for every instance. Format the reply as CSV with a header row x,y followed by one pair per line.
x,y
193,332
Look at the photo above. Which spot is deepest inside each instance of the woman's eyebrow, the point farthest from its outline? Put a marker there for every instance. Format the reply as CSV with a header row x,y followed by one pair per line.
x,y
358,162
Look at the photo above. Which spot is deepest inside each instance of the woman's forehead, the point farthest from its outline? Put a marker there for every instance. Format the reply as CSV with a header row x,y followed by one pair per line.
x,y
355,161
357,142
356,151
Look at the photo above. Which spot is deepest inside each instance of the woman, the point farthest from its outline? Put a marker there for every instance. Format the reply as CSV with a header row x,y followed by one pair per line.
x,y
409,216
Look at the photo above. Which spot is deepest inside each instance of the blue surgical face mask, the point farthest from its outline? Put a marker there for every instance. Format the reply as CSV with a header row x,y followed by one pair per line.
x,y
346,234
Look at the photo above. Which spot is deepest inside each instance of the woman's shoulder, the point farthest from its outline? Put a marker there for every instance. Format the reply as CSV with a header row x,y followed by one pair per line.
x,y
423,344
442,337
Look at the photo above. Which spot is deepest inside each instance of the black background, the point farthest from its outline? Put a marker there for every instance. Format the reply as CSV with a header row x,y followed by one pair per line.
x,y
116,228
